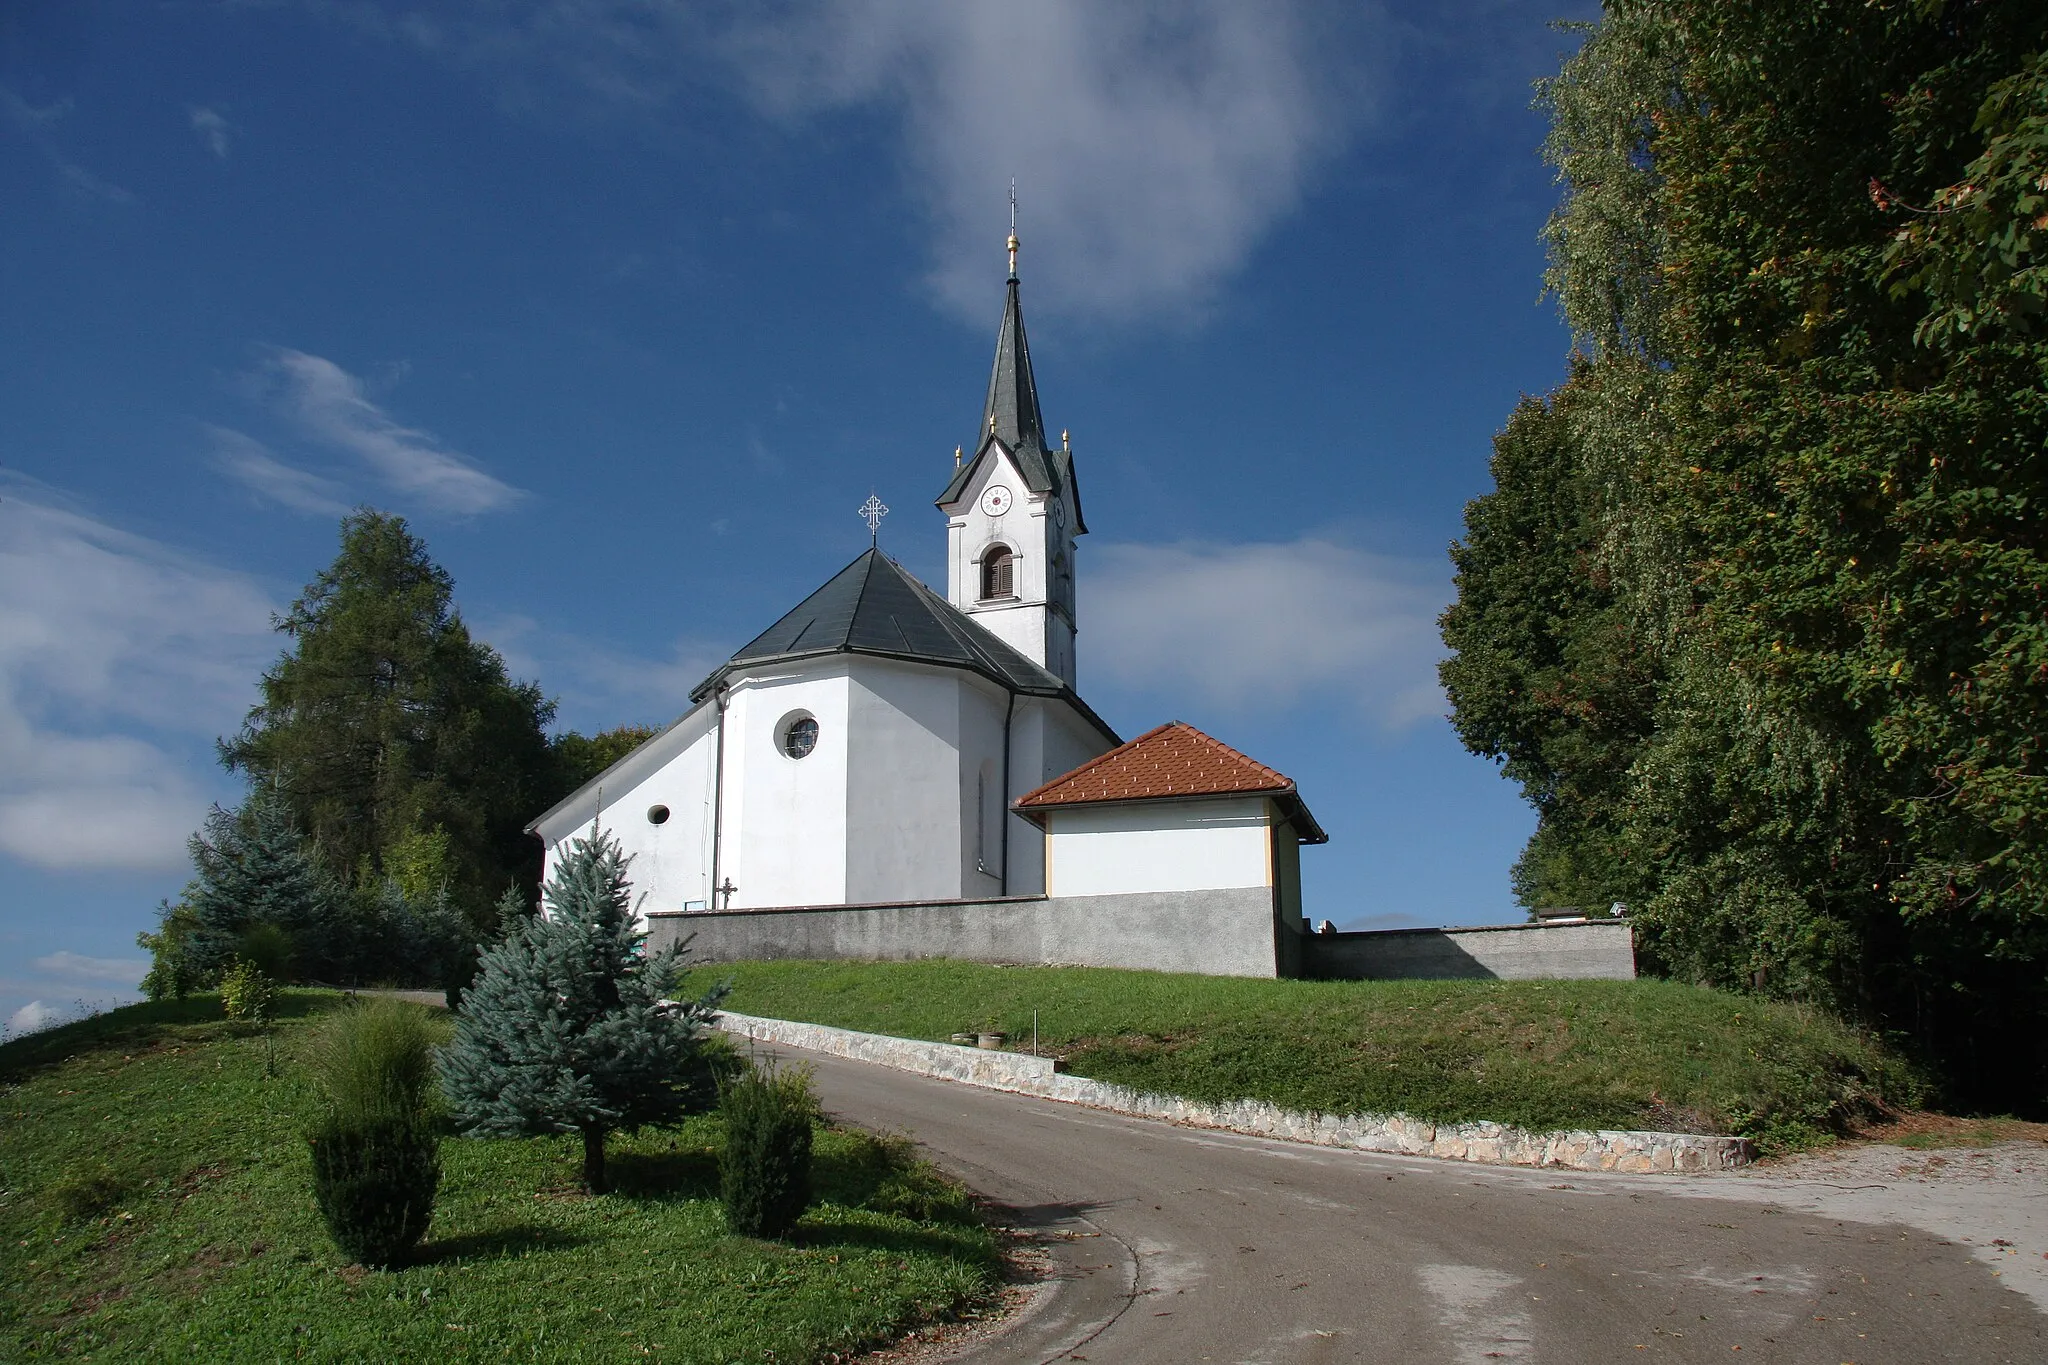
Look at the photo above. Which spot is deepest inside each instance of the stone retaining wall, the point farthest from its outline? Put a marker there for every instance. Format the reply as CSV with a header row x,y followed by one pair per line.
x,y
1587,949
1579,1150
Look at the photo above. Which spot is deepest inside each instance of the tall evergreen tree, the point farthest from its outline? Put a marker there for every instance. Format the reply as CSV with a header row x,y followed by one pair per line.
x,y
566,1029
386,718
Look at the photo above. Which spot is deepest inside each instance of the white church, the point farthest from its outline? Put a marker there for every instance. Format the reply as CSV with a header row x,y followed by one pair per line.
x,y
888,771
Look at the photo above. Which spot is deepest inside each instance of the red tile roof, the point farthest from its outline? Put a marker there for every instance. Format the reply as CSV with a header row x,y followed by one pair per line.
x,y
1176,760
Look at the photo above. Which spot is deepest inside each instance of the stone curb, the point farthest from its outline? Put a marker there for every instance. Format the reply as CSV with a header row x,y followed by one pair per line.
x,y
1498,1144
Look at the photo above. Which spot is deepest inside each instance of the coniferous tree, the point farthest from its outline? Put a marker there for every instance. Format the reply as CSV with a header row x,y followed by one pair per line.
x,y
387,722
252,871
567,1028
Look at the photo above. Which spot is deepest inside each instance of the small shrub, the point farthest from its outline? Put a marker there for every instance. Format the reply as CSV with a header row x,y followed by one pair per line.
x,y
376,1145
374,1063
765,1174
375,1185
246,993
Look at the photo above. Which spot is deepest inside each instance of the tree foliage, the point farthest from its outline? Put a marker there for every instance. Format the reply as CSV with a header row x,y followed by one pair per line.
x,y
1783,517
251,872
569,1027
386,723
577,758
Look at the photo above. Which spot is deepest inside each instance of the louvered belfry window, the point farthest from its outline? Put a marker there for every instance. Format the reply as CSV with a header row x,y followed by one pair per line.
x,y
998,574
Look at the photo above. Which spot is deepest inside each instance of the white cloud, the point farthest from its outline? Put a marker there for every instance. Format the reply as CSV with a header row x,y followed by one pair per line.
x,y
122,971
213,130
329,404
32,1018
116,652
249,462
1153,144
1268,625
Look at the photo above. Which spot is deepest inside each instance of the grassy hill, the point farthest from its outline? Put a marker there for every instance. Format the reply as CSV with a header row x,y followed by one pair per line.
x,y
155,1202
1542,1054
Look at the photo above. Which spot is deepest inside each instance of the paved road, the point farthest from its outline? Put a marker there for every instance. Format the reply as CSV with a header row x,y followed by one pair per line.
x,y
1177,1246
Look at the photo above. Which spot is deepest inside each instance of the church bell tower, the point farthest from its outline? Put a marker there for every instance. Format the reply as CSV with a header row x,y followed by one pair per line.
x,y
1013,510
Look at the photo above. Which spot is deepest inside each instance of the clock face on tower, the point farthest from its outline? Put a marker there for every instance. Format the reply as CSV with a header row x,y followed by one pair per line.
x,y
995,500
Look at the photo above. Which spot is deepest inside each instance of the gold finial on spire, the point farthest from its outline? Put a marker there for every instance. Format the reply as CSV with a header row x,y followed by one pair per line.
x,y
1013,227
1063,441
991,423
957,455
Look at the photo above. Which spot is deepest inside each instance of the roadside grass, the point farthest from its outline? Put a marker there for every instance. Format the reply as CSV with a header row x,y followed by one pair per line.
x,y
1537,1054
156,1203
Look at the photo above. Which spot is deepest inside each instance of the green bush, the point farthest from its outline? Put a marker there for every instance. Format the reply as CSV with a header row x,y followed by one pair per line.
x,y
374,1062
269,948
375,1185
246,993
765,1174
376,1145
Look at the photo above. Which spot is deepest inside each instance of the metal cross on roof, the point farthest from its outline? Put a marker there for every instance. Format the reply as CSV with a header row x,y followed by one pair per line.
x,y
873,511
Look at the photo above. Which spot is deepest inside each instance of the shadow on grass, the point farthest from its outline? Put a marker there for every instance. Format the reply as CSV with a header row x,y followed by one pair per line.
x,y
818,1234
663,1177
496,1244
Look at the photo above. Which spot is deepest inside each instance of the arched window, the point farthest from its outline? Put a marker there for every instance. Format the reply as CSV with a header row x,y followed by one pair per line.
x,y
998,573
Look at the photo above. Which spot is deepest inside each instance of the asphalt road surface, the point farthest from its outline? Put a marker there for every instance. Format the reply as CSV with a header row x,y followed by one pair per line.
x,y
1173,1245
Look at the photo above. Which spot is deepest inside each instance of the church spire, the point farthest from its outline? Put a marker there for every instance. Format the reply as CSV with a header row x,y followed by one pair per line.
x,y
1011,411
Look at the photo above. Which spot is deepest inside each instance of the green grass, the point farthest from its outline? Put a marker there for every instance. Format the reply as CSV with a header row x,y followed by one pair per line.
x,y
156,1202
1539,1054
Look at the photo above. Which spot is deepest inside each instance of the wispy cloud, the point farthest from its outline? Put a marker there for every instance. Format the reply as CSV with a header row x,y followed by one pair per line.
x,y
1268,625
38,125
1154,142
249,462
121,971
119,657
602,686
329,405
213,129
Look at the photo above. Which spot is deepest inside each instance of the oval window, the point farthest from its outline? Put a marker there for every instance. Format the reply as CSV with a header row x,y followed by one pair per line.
x,y
657,815
800,736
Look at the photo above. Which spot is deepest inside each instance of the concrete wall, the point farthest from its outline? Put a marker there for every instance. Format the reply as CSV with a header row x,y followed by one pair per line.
x,y
1600,950
1217,933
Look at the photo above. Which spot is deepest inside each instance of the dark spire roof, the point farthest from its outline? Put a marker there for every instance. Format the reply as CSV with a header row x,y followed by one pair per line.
x,y
1011,410
873,606
1018,424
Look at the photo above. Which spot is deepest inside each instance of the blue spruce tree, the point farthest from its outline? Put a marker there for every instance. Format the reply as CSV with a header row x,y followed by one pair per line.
x,y
252,871
568,1029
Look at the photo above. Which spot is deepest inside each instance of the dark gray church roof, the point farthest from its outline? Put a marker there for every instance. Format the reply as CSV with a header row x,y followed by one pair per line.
x,y
873,606
1010,415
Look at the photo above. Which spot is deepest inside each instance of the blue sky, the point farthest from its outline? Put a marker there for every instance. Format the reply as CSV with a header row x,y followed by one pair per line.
x,y
628,304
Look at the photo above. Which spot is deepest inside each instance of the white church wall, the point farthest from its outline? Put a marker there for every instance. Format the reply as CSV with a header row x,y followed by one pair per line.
x,y
785,818
670,864
671,860
912,735
1153,846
